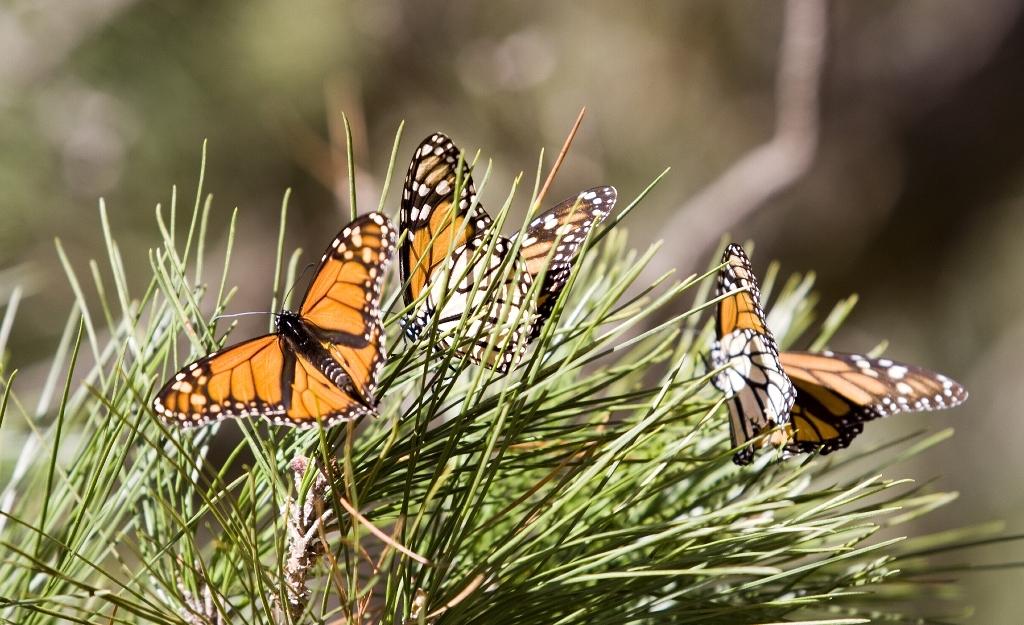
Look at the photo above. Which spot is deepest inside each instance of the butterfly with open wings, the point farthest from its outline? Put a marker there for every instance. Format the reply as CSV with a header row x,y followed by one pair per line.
x,y
322,363
808,401
456,271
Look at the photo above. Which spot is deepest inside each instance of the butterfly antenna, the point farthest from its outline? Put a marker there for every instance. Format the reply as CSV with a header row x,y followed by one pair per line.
x,y
297,280
242,314
560,159
706,359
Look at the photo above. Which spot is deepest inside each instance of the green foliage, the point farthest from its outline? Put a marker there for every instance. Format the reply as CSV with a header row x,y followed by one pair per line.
x,y
591,485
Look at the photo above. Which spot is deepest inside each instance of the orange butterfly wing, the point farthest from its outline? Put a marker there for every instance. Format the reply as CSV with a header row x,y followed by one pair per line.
x,y
837,393
436,225
343,300
249,380
740,310
314,399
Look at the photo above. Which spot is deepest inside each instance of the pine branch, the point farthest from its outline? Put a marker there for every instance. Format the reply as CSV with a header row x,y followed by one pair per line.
x,y
593,484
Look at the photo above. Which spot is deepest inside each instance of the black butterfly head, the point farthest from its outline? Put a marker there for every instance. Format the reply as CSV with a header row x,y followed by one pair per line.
x,y
414,324
290,326
286,319
744,456
410,329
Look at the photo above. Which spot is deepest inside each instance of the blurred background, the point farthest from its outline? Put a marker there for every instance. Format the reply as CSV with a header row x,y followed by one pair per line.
x,y
878,144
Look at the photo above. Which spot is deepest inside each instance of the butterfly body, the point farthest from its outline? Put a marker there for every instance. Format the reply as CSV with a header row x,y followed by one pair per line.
x,y
415,323
307,341
321,364
456,269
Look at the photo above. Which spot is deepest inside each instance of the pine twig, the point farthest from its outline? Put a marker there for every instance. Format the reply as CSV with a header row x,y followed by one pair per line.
x,y
305,527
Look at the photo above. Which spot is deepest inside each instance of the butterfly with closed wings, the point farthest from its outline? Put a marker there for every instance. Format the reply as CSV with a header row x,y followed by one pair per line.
x,y
320,366
820,400
449,260
759,393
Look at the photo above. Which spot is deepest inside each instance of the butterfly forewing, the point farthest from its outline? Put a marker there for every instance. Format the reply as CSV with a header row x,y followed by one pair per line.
x,y
243,380
437,223
742,309
838,392
343,300
553,240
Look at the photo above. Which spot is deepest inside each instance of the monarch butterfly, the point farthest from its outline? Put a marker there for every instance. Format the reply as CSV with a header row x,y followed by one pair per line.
x,y
447,242
322,363
829,395
760,395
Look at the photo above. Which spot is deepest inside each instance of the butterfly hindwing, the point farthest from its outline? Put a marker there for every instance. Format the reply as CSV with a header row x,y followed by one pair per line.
x,y
759,394
316,399
483,303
